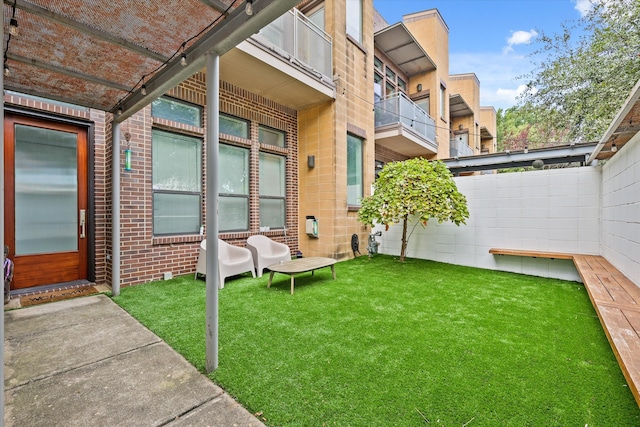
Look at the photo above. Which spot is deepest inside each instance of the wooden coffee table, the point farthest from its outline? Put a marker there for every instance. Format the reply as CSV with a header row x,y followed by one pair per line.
x,y
301,265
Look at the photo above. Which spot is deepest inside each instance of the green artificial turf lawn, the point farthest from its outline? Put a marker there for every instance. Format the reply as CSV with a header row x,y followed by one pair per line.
x,y
400,344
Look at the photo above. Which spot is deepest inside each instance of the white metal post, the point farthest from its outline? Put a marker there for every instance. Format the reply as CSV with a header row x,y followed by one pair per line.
x,y
213,113
115,211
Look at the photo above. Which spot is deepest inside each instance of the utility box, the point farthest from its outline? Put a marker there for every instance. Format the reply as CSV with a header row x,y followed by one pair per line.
x,y
312,226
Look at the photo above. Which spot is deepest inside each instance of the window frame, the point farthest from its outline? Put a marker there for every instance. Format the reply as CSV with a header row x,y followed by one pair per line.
x,y
360,173
262,127
247,195
199,108
350,28
236,119
160,191
283,198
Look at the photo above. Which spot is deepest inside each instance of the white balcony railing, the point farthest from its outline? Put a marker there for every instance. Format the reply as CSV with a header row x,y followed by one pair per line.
x,y
296,35
458,148
399,109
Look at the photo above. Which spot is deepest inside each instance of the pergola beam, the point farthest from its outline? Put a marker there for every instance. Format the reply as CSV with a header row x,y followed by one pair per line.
x,y
94,32
226,35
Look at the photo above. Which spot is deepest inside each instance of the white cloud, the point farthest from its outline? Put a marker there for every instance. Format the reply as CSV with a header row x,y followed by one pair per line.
x,y
519,37
583,6
508,96
498,74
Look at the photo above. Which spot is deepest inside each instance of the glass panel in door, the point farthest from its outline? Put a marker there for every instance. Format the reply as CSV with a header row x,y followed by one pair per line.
x,y
46,191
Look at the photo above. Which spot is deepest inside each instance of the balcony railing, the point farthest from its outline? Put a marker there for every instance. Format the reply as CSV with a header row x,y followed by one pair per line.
x,y
399,109
296,35
458,148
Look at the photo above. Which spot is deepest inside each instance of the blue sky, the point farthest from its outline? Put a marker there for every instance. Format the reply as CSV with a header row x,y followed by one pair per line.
x,y
492,37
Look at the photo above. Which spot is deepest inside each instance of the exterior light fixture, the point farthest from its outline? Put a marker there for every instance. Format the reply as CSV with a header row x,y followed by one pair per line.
x,y
248,8
7,71
13,27
526,149
419,87
143,90
183,59
614,148
127,152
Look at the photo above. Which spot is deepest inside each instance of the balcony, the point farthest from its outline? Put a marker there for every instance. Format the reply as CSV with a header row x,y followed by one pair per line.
x,y
289,61
459,148
405,128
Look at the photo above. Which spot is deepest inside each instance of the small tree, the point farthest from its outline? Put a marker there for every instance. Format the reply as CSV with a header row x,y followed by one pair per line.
x,y
415,187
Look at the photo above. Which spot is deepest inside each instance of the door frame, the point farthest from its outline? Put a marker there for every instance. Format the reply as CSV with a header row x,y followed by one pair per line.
x,y
89,126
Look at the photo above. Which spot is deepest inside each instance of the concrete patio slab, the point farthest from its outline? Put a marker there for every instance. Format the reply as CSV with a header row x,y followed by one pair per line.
x,y
87,362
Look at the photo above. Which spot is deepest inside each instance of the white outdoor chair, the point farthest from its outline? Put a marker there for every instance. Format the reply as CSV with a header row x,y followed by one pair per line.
x,y
232,260
266,252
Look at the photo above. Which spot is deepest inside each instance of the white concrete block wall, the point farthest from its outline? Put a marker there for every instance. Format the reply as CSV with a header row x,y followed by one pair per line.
x,y
549,210
621,210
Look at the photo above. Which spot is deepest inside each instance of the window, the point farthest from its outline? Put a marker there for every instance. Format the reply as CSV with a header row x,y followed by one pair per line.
x,y
402,84
177,111
442,104
317,17
234,126
377,87
390,89
272,191
177,183
424,104
233,188
390,74
377,63
271,136
354,19
354,170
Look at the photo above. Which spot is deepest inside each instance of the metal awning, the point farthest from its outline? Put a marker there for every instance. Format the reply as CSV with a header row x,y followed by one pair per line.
x,y
399,45
458,107
577,153
98,54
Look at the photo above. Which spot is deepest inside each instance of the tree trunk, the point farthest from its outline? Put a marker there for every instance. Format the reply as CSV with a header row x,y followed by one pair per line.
x,y
403,248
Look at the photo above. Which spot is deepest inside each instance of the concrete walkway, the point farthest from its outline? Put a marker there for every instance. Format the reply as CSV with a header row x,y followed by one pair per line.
x,y
85,361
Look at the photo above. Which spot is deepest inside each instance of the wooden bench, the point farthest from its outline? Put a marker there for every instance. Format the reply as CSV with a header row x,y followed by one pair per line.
x,y
617,303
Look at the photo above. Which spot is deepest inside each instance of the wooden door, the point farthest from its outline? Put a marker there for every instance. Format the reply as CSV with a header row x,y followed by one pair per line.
x,y
46,201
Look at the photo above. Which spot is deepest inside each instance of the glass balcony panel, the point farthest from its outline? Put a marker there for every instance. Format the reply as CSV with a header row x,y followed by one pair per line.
x,y
296,35
399,109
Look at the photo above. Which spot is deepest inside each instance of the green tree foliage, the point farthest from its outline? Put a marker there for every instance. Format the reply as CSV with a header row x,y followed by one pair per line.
x,y
519,127
587,70
414,187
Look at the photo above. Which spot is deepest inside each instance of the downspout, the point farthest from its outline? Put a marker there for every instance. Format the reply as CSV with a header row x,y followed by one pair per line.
x,y
212,126
115,212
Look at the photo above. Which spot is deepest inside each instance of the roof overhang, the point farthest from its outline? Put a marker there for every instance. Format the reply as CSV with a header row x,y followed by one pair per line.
x,y
484,133
624,127
402,140
577,153
101,59
280,80
458,107
399,45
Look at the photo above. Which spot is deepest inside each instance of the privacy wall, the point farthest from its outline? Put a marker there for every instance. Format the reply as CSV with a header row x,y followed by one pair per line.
x,y
621,210
549,210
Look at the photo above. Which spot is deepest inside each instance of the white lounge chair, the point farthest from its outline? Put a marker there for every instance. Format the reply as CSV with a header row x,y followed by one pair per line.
x,y
266,252
232,260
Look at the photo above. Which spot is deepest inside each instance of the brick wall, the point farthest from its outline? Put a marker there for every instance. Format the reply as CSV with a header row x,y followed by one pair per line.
x,y
145,257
